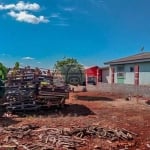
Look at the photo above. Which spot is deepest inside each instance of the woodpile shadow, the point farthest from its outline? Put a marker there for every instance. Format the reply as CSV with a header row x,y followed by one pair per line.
x,y
2,110
72,110
5,121
78,110
94,98
6,118
148,102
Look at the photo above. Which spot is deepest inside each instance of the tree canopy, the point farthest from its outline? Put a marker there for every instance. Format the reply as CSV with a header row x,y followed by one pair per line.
x,y
66,62
68,67
3,71
17,65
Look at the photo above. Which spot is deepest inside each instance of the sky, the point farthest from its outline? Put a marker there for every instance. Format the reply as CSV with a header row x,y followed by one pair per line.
x,y
40,32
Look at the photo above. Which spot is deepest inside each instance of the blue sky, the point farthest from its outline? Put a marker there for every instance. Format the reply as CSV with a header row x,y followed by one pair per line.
x,y
40,32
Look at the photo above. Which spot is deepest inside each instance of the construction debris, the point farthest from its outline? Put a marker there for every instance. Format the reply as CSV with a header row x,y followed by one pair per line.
x,y
58,138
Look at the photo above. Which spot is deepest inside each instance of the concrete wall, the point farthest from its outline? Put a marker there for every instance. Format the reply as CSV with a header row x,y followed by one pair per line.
x,y
122,89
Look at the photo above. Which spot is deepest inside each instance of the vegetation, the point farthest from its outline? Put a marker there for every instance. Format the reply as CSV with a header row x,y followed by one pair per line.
x,y
67,62
3,75
69,66
3,72
17,65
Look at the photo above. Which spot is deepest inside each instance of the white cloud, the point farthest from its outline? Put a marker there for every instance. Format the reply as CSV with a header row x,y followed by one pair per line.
x,y
69,9
62,24
28,58
24,16
20,11
20,6
55,15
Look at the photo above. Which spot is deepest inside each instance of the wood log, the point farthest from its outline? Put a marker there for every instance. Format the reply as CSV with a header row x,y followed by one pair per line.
x,y
132,133
9,146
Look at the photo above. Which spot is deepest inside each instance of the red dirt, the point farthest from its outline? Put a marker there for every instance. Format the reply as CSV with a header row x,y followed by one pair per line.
x,y
106,110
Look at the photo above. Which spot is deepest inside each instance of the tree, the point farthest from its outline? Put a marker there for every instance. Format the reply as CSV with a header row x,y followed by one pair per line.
x,y
3,72
17,65
69,67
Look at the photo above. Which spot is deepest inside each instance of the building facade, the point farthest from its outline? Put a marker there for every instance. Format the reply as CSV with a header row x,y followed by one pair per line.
x,y
133,70
93,75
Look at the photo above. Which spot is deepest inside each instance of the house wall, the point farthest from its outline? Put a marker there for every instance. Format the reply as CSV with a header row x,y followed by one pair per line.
x,y
129,76
110,74
105,75
115,74
144,73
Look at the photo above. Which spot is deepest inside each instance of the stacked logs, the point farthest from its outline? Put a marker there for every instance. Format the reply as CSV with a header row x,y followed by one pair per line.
x,y
31,137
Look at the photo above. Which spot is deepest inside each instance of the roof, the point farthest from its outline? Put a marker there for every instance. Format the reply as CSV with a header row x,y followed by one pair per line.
x,y
104,67
91,67
141,57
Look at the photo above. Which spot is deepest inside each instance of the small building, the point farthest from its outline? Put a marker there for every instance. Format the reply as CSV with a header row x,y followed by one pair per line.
x,y
133,69
93,75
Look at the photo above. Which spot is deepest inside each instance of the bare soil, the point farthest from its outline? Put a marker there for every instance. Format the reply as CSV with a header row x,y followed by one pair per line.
x,y
94,108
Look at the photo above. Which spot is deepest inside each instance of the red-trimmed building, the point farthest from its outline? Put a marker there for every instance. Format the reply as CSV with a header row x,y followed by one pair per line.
x,y
93,75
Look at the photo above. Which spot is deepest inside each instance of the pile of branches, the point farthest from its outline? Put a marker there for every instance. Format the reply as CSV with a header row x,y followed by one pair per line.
x,y
31,137
111,134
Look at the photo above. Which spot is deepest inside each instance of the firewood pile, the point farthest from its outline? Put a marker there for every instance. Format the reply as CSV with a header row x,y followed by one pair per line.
x,y
33,89
32,137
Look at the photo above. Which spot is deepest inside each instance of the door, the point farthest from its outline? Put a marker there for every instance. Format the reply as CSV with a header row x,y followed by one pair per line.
x,y
120,74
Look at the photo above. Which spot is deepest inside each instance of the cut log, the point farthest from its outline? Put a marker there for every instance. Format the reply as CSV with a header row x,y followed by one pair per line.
x,y
8,146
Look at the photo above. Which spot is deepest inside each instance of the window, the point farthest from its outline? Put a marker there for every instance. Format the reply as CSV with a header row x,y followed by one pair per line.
x,y
131,69
120,71
120,68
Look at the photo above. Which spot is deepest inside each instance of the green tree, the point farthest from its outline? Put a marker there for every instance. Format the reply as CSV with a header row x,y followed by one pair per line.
x,y
69,65
3,72
17,65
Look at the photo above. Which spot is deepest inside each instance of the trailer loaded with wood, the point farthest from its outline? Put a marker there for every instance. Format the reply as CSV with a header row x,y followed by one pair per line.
x,y
29,89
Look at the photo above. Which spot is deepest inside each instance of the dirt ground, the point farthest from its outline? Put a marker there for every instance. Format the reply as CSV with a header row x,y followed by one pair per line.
x,y
93,108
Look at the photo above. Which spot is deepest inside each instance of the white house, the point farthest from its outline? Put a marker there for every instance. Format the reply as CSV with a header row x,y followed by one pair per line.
x,y
133,69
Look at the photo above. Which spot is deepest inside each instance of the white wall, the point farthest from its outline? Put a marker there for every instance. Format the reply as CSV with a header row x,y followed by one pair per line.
x,y
144,75
115,74
105,75
129,76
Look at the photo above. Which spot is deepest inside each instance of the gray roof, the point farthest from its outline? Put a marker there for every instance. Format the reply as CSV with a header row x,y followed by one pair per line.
x,y
141,57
